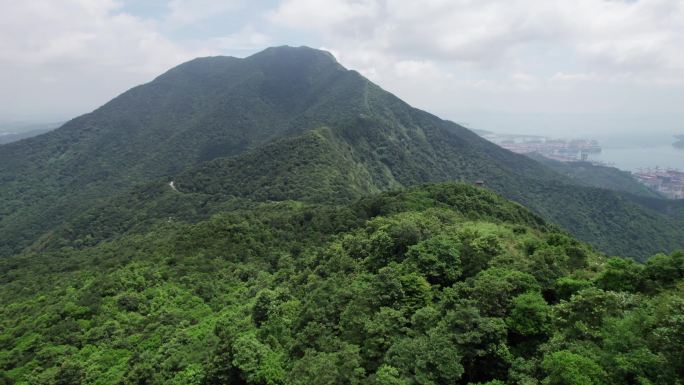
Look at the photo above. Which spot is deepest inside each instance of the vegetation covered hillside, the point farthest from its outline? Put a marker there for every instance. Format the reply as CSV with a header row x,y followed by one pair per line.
x,y
442,284
342,164
592,175
286,123
198,111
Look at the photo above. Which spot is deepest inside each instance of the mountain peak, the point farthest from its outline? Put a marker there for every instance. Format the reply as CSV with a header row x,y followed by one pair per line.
x,y
290,51
294,58
283,60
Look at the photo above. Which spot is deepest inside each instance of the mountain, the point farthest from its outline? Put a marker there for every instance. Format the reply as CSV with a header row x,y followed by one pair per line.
x,y
274,220
285,123
440,284
198,111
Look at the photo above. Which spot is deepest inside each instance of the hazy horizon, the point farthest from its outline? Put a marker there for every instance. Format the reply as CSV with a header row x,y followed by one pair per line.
x,y
594,126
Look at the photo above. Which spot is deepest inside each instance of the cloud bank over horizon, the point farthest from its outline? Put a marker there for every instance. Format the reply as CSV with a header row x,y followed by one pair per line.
x,y
452,57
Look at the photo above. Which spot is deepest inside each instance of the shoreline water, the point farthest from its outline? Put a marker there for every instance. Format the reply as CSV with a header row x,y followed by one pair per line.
x,y
632,155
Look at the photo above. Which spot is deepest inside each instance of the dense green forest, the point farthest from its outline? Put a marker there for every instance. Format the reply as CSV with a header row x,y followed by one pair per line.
x,y
279,219
256,127
443,284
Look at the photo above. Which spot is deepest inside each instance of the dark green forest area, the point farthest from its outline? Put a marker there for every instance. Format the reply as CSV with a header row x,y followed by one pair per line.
x,y
443,284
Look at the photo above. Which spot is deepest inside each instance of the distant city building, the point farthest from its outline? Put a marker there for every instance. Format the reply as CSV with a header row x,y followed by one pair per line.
x,y
668,182
564,150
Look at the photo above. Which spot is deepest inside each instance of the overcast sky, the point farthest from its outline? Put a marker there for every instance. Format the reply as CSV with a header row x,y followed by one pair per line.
x,y
525,65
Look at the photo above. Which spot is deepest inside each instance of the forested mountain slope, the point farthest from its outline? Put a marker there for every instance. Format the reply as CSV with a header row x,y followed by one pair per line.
x,y
195,112
588,174
443,284
286,123
344,163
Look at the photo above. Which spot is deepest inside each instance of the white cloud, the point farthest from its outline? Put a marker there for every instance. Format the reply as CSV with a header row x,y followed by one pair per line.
x,y
184,12
524,55
623,35
458,29
330,15
412,68
574,78
246,39
62,58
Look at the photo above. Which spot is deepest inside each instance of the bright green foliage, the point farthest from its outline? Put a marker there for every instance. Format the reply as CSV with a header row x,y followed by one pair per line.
x,y
427,359
631,356
567,368
437,259
620,275
443,284
662,271
256,361
495,288
493,382
566,286
328,368
388,375
530,315
669,330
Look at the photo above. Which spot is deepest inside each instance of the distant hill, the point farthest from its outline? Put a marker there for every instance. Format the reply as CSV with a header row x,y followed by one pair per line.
x,y
286,123
588,174
481,132
15,132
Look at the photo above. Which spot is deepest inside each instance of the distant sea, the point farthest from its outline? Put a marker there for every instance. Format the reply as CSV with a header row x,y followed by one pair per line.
x,y
629,141
635,151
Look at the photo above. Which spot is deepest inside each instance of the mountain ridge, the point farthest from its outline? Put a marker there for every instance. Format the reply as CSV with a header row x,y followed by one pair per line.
x,y
224,108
